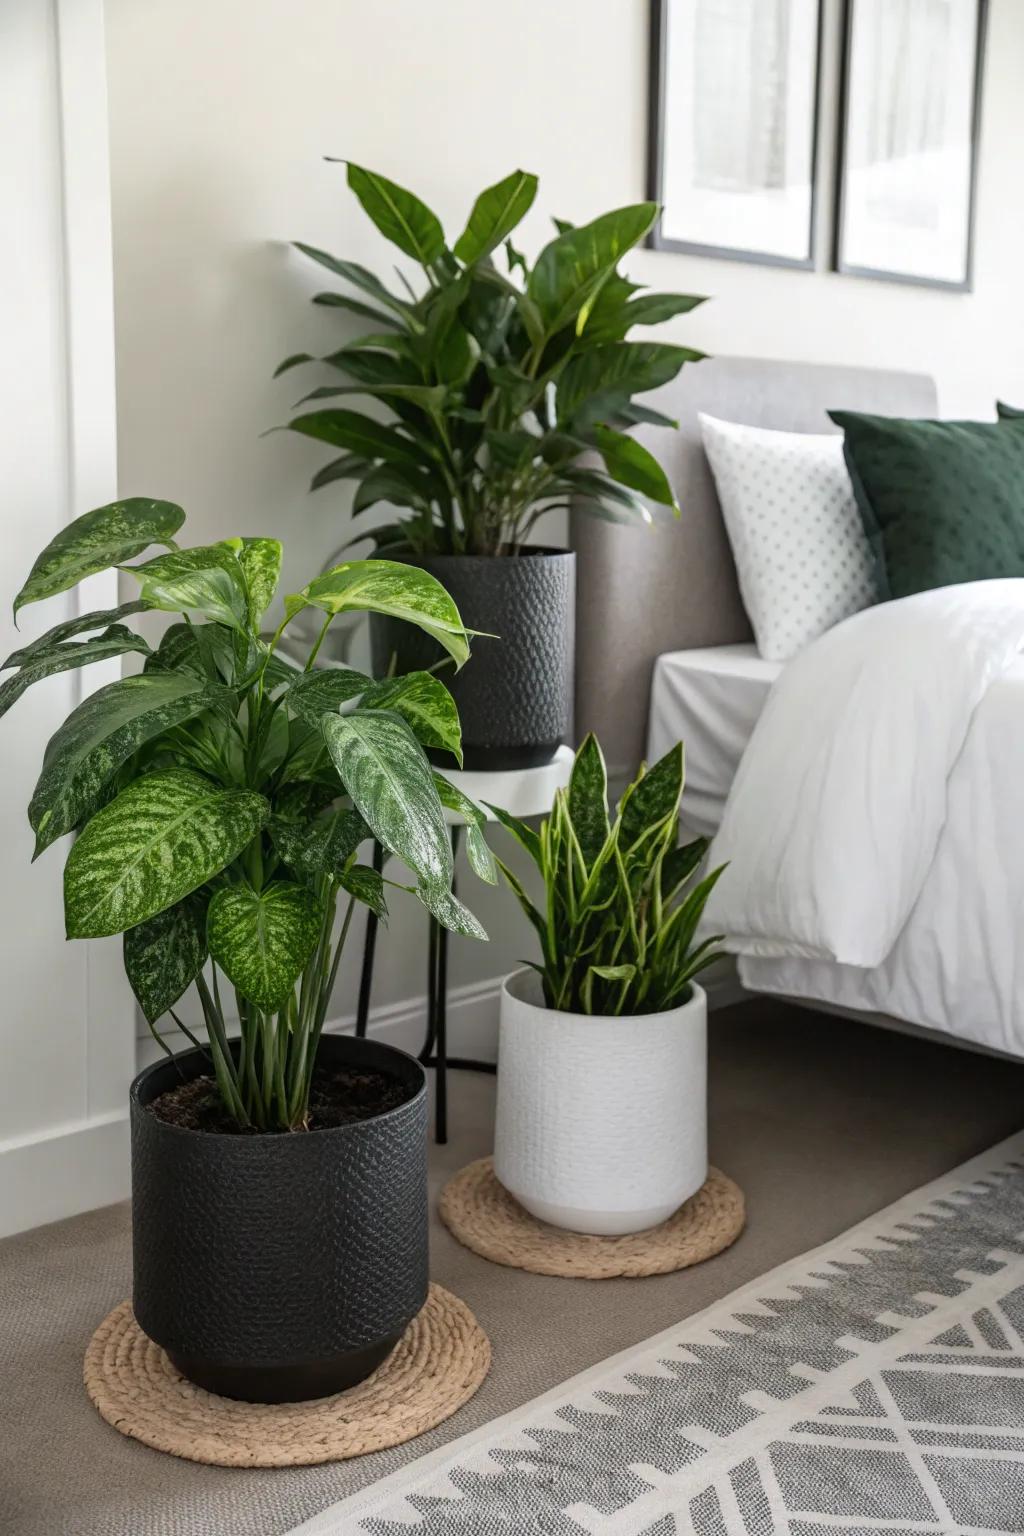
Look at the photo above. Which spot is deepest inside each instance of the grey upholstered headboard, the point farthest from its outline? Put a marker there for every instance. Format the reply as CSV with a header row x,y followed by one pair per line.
x,y
642,591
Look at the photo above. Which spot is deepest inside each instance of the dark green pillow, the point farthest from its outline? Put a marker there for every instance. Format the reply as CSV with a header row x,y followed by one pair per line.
x,y
1008,412
941,501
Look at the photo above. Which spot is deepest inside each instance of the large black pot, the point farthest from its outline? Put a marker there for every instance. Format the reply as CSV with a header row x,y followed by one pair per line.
x,y
515,695
280,1267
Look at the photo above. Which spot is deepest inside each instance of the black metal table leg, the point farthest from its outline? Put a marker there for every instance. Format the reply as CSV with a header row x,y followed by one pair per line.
x,y
369,949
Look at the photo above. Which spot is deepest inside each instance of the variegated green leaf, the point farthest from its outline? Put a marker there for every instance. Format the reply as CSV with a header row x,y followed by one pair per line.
x,y
101,734
588,799
478,852
402,591
260,560
207,581
320,692
96,541
450,911
165,835
322,847
117,641
367,886
100,618
164,955
679,864
384,769
262,940
652,798
424,701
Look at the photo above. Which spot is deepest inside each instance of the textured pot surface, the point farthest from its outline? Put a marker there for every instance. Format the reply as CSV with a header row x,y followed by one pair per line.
x,y
515,695
284,1266
601,1122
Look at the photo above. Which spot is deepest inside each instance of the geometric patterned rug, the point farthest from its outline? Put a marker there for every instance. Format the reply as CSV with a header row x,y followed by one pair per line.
x,y
874,1385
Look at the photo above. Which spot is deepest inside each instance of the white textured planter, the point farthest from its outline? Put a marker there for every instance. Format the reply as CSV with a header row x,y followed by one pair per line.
x,y
601,1122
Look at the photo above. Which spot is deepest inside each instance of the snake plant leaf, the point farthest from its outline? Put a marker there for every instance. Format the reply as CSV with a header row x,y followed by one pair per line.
x,y
449,911
358,434
314,694
570,271
424,701
478,851
262,940
601,379
384,770
536,918
399,215
115,641
207,581
367,886
401,591
679,864
649,309
588,800
523,833
359,277
99,618
630,463
97,540
652,799
495,215
260,560
164,955
163,836
100,735
323,847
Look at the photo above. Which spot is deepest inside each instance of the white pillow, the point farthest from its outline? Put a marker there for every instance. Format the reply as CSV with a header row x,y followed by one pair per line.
x,y
802,556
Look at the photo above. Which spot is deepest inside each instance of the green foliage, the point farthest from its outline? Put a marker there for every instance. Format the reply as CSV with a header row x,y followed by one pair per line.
x,y
620,916
494,381
221,795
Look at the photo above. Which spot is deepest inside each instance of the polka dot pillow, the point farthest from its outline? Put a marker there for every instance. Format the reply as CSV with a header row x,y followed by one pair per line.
x,y
802,556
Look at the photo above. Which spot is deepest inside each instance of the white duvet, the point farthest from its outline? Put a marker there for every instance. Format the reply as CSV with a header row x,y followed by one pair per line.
x,y
875,829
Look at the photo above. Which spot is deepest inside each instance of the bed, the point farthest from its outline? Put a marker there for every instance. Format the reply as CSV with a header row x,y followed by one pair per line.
x,y
869,808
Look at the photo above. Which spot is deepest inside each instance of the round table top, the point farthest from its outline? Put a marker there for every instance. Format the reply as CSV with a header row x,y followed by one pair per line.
x,y
520,791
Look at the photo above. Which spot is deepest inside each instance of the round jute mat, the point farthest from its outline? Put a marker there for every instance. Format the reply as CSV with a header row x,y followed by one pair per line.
x,y
436,1366
481,1213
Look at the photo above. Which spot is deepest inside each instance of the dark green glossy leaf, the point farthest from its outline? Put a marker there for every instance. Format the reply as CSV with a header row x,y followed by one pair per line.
x,y
207,581
96,541
594,382
424,701
164,955
570,271
100,735
401,591
399,215
116,641
630,463
426,397
262,940
495,214
395,484
390,782
296,360
588,799
354,307
351,466
359,434
649,309
359,277
165,835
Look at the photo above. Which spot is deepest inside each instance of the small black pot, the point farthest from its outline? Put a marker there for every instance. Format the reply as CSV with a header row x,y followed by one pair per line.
x,y
280,1267
515,695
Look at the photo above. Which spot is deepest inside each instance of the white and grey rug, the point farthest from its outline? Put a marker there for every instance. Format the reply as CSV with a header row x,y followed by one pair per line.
x,y
876,1384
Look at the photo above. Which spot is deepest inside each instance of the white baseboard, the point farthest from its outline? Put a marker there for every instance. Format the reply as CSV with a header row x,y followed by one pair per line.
x,y
63,1171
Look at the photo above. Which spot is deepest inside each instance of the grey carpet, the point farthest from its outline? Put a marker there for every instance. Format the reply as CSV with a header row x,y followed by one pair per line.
x,y
822,1121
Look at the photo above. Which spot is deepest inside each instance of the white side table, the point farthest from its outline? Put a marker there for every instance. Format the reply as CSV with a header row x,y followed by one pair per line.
x,y
522,792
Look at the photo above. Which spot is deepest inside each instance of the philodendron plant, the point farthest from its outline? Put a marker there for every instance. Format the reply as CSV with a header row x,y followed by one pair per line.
x,y
220,796
617,933
494,381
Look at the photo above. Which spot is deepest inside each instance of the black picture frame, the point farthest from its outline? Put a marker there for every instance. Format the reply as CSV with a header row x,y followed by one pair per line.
x,y
657,85
883,274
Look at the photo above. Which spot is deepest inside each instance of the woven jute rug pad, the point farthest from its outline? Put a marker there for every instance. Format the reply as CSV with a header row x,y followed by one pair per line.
x,y
481,1213
437,1365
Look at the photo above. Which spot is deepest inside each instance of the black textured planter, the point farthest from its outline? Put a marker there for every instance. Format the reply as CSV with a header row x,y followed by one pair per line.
x,y
515,696
280,1267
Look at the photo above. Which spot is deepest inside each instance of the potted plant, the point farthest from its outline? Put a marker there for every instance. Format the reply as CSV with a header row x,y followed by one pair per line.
x,y
504,394
601,1118
219,798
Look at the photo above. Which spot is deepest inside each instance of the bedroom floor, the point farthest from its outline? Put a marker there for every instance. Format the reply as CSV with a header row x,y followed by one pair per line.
x,y
821,1120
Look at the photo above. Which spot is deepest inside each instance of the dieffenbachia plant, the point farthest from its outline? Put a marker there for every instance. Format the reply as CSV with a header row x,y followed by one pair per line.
x,y
617,933
493,382
221,795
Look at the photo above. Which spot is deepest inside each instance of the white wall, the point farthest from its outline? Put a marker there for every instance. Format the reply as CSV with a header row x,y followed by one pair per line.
x,y
66,1025
220,116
